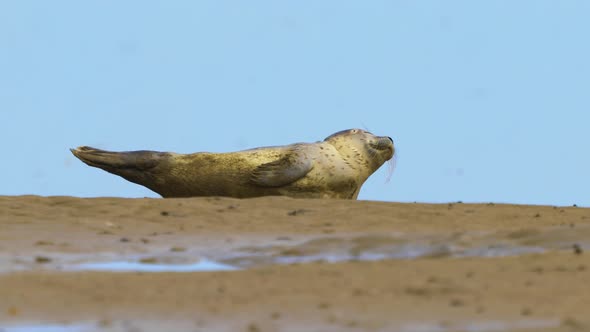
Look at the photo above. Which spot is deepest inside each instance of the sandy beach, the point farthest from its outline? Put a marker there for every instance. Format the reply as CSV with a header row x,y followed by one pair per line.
x,y
292,265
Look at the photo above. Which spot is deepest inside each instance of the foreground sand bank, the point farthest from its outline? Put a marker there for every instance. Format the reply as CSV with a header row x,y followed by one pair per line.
x,y
391,265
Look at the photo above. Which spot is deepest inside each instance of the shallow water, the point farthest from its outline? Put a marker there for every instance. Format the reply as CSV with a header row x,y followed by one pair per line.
x,y
127,266
311,249
80,327
470,326
482,326
407,246
102,326
113,262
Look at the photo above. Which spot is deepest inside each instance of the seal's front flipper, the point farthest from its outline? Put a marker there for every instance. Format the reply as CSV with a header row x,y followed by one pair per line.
x,y
292,167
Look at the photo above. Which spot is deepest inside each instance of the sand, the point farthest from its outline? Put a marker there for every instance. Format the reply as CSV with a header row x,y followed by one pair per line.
x,y
304,265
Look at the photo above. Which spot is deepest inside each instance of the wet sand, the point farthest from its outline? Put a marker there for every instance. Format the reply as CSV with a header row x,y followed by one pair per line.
x,y
313,265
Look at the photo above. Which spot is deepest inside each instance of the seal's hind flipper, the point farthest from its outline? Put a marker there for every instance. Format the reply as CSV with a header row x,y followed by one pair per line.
x,y
292,167
141,167
109,161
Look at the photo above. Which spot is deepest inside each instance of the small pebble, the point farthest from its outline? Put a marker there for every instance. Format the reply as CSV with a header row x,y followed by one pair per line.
x,y
42,259
12,311
296,212
253,328
456,303
148,260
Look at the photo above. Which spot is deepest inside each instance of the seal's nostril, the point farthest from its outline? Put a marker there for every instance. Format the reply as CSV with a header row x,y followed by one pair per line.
x,y
391,139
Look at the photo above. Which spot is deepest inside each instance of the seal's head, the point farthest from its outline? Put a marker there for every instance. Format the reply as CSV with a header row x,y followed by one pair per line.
x,y
359,147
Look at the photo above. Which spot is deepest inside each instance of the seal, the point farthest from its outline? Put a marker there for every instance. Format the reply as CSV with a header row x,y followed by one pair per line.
x,y
336,167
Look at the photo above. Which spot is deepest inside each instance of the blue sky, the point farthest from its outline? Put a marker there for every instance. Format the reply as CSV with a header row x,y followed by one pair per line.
x,y
486,100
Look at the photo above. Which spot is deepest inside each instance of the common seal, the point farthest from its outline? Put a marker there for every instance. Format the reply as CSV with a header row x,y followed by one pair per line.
x,y
336,167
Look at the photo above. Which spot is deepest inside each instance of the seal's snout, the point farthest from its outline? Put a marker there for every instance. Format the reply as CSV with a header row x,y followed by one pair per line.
x,y
386,145
382,143
392,147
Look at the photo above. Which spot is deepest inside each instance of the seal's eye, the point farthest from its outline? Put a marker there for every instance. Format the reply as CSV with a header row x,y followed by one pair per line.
x,y
354,131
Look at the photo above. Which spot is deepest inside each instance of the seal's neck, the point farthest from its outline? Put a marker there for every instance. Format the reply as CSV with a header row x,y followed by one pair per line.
x,y
356,158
